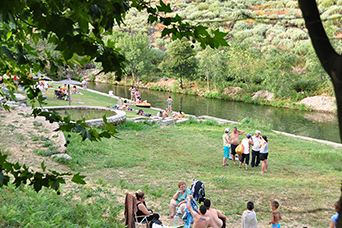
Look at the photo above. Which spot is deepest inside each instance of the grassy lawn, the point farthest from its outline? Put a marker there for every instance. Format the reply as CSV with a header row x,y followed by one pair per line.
x,y
90,99
303,176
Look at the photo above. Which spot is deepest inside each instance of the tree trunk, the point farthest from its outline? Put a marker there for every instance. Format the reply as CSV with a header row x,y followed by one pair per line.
x,y
246,82
330,60
207,80
180,82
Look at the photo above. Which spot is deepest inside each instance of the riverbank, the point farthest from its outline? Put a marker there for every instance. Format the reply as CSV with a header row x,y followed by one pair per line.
x,y
300,101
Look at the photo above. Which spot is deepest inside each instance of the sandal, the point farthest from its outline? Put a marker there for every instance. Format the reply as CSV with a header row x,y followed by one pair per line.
x,y
225,165
170,217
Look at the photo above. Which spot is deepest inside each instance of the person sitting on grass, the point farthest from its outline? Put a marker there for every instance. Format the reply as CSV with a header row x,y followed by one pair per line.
x,y
74,90
142,209
218,220
179,199
160,113
200,219
178,115
166,113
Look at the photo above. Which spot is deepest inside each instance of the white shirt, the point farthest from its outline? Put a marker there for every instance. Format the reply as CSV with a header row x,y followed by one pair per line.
x,y
264,148
256,141
245,143
249,219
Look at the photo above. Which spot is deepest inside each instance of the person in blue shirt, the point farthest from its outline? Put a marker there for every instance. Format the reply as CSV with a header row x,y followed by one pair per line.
x,y
334,218
179,199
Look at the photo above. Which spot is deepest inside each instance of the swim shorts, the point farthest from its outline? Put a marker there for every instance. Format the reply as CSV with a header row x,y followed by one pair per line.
x,y
169,103
225,152
276,225
263,157
233,149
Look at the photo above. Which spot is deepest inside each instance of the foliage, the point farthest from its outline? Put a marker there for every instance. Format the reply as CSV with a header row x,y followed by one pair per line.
x,y
181,61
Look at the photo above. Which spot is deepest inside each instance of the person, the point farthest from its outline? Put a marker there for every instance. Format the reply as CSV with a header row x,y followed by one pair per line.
x,y
179,199
160,113
132,89
178,115
235,141
74,90
256,149
137,95
334,218
226,146
142,208
165,113
138,100
126,105
64,88
276,217
200,220
246,142
169,104
263,154
249,219
217,219
84,84
46,85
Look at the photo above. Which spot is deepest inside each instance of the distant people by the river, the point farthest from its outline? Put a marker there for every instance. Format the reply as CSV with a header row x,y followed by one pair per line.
x,y
132,89
166,113
246,142
264,153
234,139
179,115
137,95
217,219
169,104
249,219
334,218
256,149
160,113
84,84
179,199
276,217
110,93
226,146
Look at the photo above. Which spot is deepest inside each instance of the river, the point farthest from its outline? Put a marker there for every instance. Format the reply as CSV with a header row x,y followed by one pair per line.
x,y
311,124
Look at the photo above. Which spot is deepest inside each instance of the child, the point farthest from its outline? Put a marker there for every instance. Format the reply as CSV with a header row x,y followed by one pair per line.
x,y
246,142
334,218
275,215
169,104
226,146
249,217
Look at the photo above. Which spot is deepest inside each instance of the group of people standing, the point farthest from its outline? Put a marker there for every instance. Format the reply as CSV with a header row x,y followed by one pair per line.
x,y
258,143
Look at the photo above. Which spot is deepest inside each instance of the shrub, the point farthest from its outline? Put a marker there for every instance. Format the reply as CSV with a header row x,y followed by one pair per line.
x,y
286,43
240,14
203,6
326,3
209,15
292,4
305,85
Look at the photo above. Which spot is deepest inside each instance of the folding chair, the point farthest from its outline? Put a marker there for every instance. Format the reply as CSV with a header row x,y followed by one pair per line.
x,y
131,213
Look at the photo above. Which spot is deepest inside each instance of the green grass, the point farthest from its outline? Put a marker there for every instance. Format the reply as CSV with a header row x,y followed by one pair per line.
x,y
303,176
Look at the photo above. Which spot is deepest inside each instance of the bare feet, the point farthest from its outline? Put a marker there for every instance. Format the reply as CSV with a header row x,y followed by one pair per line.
x,y
261,172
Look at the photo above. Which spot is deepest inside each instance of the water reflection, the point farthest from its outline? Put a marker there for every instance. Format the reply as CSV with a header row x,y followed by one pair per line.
x,y
315,125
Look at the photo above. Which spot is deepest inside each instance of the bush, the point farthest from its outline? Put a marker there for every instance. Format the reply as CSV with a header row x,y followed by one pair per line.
x,y
209,15
305,85
292,4
241,25
203,6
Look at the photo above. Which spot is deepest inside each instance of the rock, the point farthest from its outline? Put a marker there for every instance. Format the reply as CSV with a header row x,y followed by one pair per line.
x,y
320,103
233,91
183,120
263,94
12,104
66,156
21,98
168,121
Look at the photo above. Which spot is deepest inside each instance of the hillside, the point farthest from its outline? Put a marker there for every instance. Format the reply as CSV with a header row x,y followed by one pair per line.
x,y
269,46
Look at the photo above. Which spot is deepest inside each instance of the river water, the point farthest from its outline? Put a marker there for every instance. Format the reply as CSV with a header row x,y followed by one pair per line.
x,y
310,124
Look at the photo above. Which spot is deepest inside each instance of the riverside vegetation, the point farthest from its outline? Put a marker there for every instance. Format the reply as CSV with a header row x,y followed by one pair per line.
x,y
303,176
269,49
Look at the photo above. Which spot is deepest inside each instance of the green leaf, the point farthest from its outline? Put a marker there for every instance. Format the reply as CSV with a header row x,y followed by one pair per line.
x,y
77,178
43,166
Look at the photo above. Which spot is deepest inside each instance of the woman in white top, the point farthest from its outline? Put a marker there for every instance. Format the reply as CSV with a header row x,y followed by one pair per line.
x,y
263,153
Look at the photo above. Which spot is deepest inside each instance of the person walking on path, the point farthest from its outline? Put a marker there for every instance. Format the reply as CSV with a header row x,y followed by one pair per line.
x,y
246,142
226,146
264,153
256,149
169,104
234,139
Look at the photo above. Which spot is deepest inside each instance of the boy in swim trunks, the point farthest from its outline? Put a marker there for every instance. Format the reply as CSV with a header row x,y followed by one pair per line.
x,y
169,104
226,146
275,215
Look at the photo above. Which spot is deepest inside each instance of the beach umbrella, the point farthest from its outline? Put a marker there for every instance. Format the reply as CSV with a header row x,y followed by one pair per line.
x,y
46,78
68,82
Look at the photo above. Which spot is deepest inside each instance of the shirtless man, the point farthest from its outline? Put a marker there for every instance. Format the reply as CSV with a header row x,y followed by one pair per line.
x,y
218,220
200,220
234,140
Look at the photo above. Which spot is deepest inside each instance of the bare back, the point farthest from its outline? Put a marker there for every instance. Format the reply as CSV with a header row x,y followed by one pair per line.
x,y
215,222
201,221
276,217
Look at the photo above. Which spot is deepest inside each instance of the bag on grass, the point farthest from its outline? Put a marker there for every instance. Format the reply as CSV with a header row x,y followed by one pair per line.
x,y
239,149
